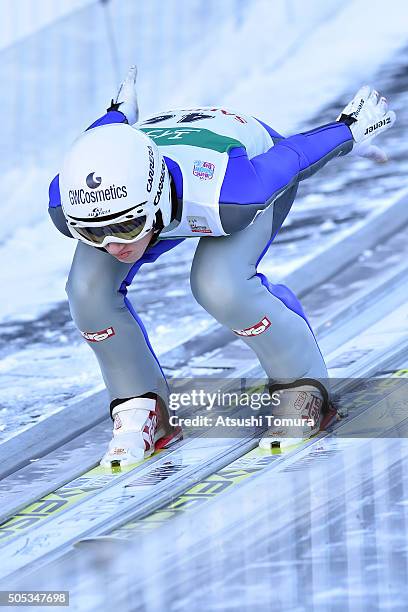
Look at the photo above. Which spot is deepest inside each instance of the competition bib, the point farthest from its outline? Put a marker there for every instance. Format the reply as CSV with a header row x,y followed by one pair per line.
x,y
199,141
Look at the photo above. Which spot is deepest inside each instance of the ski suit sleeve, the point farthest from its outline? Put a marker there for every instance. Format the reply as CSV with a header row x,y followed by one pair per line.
x,y
54,205
300,156
260,179
251,185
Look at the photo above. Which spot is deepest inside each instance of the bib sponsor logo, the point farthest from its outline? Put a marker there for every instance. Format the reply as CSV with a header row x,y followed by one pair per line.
x,y
191,136
255,330
199,225
203,169
99,335
170,134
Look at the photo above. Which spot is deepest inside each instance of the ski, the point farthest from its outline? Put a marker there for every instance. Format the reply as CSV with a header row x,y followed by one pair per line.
x,y
335,440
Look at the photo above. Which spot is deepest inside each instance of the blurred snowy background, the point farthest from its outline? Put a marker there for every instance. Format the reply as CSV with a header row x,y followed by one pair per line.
x,y
291,63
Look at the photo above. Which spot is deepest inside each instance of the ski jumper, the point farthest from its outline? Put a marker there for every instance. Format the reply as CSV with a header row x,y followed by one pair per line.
x,y
236,180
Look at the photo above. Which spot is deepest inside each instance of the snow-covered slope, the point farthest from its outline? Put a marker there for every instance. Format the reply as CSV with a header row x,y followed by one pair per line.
x,y
22,18
283,64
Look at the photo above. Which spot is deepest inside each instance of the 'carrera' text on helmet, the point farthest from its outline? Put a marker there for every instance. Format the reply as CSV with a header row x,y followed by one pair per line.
x,y
161,183
151,170
81,196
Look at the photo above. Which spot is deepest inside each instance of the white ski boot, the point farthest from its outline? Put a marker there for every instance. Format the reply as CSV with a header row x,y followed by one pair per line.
x,y
136,433
126,99
299,416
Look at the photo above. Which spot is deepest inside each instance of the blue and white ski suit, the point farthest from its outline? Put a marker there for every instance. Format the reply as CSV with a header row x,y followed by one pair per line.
x,y
236,179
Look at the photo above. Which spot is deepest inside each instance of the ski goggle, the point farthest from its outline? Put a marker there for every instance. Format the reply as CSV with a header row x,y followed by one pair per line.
x,y
128,231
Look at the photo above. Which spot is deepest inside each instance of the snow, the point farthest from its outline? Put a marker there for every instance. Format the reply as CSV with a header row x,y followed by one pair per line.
x,y
35,270
22,18
272,72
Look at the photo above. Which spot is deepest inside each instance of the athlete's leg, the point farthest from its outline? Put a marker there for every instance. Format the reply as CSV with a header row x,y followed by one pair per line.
x,y
128,364
225,282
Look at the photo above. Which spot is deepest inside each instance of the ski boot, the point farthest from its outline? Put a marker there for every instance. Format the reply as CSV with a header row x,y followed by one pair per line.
x,y
137,433
303,411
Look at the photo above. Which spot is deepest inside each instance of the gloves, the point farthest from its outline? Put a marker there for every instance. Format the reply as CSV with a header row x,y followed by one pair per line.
x,y
367,115
126,99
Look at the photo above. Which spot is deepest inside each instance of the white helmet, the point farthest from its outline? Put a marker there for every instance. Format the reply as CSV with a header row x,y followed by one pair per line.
x,y
114,185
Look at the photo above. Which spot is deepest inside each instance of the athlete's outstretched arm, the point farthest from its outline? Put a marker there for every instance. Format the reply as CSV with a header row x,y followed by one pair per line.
x,y
301,155
259,181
